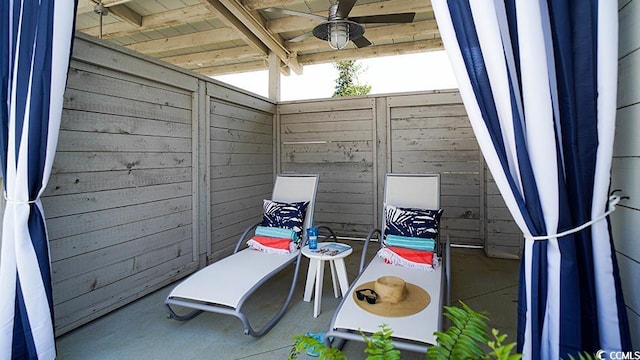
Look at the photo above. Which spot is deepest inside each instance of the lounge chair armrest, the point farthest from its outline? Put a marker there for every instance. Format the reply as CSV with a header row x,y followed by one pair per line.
x,y
332,234
363,258
244,235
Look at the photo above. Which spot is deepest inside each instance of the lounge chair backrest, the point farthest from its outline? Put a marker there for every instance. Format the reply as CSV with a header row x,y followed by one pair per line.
x,y
421,191
294,188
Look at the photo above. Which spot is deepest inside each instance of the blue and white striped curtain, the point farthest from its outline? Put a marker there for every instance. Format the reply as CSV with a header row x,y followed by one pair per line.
x,y
538,80
34,53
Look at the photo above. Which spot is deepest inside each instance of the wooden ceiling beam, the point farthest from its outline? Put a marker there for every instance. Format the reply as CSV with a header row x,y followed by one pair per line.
x,y
380,33
223,14
262,4
87,6
330,56
180,42
126,14
232,68
373,51
167,18
237,67
116,8
242,19
298,23
207,58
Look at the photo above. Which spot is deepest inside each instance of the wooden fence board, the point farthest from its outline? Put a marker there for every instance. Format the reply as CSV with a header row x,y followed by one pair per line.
x,y
355,135
328,105
90,50
99,103
240,136
247,169
255,188
241,113
229,123
241,181
180,101
81,310
327,127
162,251
325,117
81,141
240,159
91,122
95,82
100,251
225,147
69,183
435,134
220,91
436,97
79,203
61,227
81,161
426,111
442,122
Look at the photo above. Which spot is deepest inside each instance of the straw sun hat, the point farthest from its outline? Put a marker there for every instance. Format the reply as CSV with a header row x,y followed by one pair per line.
x,y
395,297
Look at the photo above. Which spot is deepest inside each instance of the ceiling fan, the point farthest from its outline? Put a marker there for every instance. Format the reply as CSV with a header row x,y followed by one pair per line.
x,y
338,28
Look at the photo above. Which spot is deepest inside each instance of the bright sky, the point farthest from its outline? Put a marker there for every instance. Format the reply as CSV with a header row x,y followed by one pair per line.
x,y
389,74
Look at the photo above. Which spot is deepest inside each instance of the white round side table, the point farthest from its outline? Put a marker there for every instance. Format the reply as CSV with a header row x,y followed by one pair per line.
x,y
316,273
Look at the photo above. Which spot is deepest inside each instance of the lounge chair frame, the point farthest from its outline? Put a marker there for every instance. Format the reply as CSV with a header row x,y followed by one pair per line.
x,y
199,305
338,336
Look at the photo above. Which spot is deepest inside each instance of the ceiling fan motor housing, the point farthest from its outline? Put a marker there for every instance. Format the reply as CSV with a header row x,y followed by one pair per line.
x,y
101,10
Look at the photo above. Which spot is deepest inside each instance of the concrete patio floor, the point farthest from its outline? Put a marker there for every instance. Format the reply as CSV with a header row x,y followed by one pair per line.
x,y
141,330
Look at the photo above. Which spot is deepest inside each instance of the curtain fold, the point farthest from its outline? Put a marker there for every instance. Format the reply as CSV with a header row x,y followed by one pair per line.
x,y
34,51
538,80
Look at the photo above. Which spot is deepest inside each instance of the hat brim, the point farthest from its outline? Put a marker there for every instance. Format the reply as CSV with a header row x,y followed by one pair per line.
x,y
415,301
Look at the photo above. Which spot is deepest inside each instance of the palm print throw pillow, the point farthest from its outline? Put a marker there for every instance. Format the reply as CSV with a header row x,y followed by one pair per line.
x,y
284,215
412,222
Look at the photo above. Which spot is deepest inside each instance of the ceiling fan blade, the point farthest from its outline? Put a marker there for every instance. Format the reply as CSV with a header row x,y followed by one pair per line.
x,y
382,19
361,42
301,37
295,13
344,8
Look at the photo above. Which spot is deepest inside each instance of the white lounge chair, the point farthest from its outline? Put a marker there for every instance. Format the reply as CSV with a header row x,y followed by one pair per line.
x,y
413,332
225,285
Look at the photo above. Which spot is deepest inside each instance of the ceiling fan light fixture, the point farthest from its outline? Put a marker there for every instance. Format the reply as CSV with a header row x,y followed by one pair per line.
x,y
338,33
338,36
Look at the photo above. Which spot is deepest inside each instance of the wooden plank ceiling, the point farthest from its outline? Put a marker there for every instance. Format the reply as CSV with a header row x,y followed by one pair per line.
x,y
215,37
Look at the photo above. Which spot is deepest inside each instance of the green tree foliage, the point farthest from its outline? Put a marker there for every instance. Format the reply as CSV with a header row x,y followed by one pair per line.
x,y
347,82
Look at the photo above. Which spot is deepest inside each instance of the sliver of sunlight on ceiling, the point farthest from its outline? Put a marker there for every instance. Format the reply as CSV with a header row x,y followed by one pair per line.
x,y
389,74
